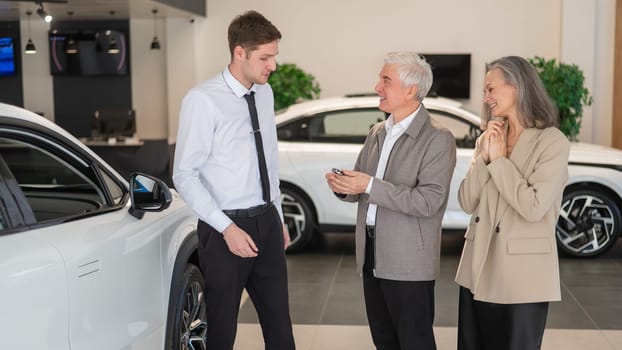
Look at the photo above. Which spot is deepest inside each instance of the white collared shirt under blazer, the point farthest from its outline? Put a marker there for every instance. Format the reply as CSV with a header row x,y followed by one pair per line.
x,y
510,253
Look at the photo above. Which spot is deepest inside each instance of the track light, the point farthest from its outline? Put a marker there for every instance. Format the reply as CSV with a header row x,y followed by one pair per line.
x,y
30,46
71,47
112,46
41,12
155,44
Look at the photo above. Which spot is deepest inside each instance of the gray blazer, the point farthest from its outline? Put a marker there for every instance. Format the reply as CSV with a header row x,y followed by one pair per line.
x,y
411,199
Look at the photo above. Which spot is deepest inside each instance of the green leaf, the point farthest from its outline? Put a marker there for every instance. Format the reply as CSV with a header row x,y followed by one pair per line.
x,y
291,84
565,83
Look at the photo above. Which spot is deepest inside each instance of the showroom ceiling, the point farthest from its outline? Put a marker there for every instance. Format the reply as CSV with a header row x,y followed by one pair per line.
x,y
13,10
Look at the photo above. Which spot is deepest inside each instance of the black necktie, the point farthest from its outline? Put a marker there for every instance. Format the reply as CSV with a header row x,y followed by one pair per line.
x,y
263,169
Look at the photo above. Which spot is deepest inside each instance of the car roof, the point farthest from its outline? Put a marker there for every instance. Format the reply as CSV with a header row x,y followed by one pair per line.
x,y
346,102
20,114
17,113
581,152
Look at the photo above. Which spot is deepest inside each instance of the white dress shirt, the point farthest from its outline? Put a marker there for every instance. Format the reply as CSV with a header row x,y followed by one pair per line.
x,y
394,131
216,165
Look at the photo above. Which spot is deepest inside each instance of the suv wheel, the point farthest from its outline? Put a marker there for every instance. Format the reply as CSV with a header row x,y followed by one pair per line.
x,y
298,217
189,327
588,224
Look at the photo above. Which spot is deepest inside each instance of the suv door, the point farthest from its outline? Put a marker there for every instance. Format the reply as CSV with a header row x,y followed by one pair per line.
x,y
32,274
106,263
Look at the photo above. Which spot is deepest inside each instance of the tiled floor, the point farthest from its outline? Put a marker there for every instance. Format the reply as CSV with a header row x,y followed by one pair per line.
x,y
327,308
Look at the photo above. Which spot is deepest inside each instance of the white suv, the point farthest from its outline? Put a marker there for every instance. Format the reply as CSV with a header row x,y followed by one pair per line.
x,y
88,261
318,135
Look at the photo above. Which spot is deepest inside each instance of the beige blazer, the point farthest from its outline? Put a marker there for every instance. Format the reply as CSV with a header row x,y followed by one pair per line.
x,y
510,253
411,199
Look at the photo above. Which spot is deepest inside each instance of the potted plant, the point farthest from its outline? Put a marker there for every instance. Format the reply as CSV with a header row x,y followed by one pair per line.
x,y
291,84
565,84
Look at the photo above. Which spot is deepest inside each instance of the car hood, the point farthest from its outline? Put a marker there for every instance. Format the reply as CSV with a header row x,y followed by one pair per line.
x,y
594,154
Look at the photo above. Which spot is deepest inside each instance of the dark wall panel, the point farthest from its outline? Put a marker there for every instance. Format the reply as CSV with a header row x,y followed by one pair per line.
x,y
11,88
76,98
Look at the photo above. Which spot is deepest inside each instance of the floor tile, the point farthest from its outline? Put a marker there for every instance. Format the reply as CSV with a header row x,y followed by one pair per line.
x,y
571,339
614,338
568,313
328,308
323,337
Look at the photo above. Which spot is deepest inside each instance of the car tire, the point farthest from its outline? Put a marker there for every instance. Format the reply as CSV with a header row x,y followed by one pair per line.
x,y
589,223
189,325
299,218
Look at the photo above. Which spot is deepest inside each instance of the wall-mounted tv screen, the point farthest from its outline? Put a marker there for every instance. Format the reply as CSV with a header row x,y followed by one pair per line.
x,y
88,53
452,75
7,57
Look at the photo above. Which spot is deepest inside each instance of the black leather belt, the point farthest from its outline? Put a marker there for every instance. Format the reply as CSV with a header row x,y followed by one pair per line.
x,y
248,213
370,230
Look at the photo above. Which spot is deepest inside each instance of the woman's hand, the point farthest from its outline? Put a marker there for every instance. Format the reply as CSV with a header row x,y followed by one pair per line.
x,y
484,144
496,139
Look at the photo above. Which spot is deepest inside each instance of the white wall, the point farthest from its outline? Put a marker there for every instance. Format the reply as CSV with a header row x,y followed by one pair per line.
x,y
588,33
181,67
343,42
604,63
148,69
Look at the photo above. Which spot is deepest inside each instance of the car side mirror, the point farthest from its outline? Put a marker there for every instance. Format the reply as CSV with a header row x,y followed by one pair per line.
x,y
148,194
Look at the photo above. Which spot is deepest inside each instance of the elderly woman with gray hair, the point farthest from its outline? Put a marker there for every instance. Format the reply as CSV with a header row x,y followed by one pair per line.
x,y
509,269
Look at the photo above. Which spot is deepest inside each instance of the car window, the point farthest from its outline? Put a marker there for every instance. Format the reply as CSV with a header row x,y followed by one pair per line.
x,y
464,132
350,126
53,187
115,190
2,220
297,130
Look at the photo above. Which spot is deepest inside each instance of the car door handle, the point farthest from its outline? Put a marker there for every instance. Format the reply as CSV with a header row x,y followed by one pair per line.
x,y
88,268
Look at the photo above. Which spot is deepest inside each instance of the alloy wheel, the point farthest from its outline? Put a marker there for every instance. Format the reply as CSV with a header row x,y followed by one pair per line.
x,y
194,325
294,216
586,225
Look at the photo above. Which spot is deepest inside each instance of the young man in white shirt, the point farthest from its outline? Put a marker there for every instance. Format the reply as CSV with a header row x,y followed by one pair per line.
x,y
226,170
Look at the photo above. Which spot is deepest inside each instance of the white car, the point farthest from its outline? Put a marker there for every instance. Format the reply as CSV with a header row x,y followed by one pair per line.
x,y
319,135
88,261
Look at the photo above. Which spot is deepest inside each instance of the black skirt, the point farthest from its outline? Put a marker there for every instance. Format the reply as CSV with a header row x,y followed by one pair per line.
x,y
491,326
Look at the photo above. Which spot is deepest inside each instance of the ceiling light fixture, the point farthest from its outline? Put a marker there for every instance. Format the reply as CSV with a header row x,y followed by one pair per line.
x,y
71,47
155,44
30,46
41,12
113,47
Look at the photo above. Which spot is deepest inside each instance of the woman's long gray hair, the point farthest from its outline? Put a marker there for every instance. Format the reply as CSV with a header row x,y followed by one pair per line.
x,y
533,104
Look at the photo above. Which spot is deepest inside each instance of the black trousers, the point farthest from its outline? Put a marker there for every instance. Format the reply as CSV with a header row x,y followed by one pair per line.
x,y
400,313
490,326
264,277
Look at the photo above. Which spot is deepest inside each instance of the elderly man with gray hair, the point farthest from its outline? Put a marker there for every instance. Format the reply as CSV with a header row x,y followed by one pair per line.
x,y
401,183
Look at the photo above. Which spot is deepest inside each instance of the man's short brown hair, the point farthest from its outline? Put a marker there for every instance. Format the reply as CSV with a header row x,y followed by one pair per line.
x,y
251,29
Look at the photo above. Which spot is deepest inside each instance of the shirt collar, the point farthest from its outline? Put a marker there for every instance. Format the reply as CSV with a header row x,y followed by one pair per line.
x,y
238,89
404,124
